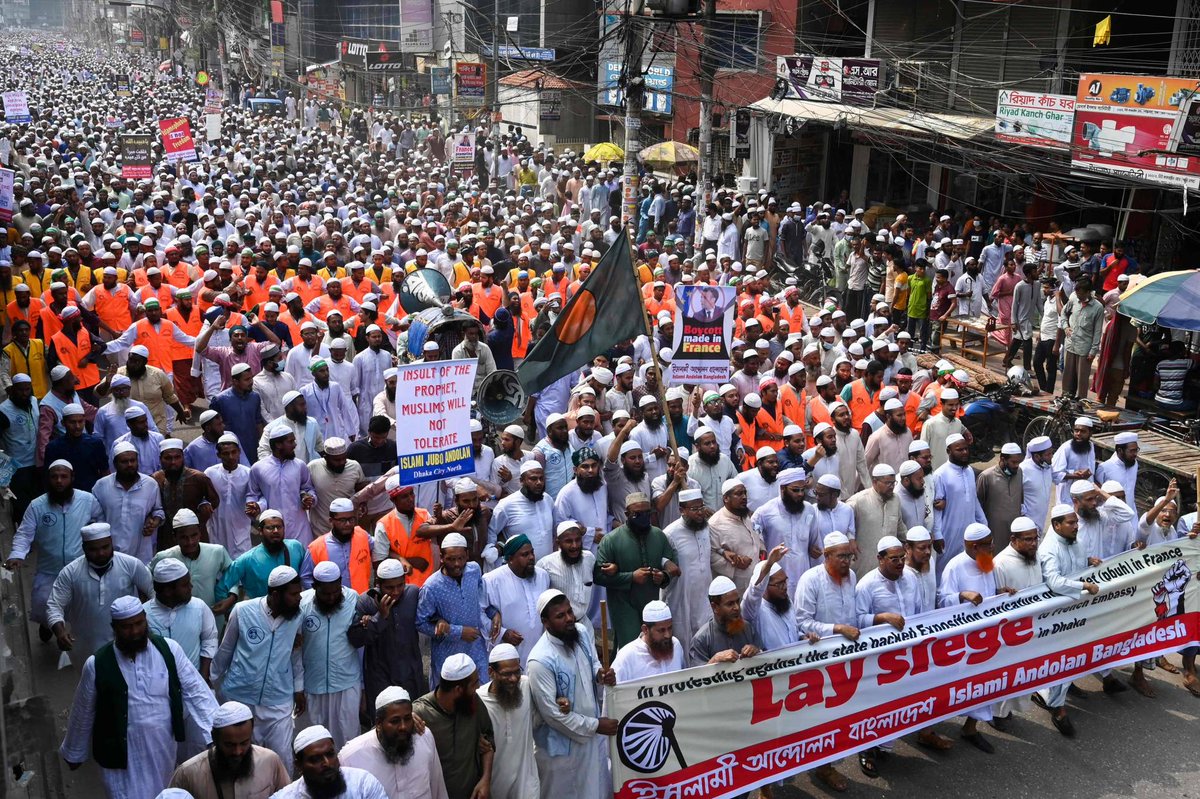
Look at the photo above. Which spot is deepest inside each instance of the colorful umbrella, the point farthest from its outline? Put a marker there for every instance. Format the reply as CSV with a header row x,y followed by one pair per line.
x,y
604,152
668,154
1170,299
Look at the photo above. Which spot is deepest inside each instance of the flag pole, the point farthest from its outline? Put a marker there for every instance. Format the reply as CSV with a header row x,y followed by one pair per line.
x,y
661,395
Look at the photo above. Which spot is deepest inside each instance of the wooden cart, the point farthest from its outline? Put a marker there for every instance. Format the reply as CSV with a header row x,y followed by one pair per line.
x,y
1160,457
1043,407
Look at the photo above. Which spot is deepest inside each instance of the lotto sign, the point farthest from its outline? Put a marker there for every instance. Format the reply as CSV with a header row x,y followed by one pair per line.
x,y
16,108
177,139
433,420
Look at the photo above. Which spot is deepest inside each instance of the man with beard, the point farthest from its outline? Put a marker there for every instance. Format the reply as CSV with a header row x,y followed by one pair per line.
x,y
403,760
664,489
333,409
651,434
570,567
1001,492
823,458
387,633
919,557
1074,459
149,386
767,604
240,350
174,613
509,702
655,651
709,466
334,476
282,482
788,521
332,669
131,500
506,468
715,419
134,698
529,512
1037,480
969,578
376,454
920,452
1017,567
686,595
852,454
110,417
585,499
726,637
259,662
272,383
564,672
955,501
876,515
145,442
916,504
736,545
310,436
553,452
1122,465
792,453
624,471
322,775
512,591
760,481
585,433
889,444
83,450
250,572
241,409
633,563
234,766
1107,525
940,428
384,403
229,526
452,610
1060,555
180,487
201,452
461,729
833,515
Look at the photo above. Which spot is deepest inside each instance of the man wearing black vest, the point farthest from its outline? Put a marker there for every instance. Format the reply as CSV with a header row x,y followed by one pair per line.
x,y
131,705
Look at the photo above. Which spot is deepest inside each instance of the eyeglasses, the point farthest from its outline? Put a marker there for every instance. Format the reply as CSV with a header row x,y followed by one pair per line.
x,y
845,556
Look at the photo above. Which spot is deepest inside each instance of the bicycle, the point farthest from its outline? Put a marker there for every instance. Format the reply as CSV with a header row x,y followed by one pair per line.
x,y
1058,424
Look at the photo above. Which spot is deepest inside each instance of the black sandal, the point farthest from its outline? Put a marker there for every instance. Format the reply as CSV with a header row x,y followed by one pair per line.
x,y
866,762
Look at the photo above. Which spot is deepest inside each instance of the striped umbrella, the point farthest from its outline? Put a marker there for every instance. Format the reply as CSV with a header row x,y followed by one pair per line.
x,y
1169,299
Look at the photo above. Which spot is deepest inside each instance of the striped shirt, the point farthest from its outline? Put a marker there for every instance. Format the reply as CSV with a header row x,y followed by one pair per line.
x,y
1171,377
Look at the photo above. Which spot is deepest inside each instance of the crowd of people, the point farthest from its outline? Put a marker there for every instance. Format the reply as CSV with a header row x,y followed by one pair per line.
x,y
263,610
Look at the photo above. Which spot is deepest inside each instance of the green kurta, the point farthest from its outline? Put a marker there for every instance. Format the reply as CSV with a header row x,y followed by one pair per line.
x,y
625,598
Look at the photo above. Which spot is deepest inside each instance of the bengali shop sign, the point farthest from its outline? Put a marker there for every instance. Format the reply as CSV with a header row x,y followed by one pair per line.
x,y
1036,120
703,332
831,80
177,141
433,420
791,710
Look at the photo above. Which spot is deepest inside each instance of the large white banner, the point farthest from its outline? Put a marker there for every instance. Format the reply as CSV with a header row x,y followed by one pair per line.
x,y
787,711
16,107
703,333
1039,120
433,420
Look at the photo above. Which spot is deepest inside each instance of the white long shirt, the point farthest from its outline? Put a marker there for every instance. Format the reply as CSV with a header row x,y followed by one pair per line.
x,y
1068,460
878,594
573,579
1059,558
419,778
81,597
821,603
190,625
1037,483
514,769
963,574
516,599
687,594
796,531
635,661
776,630
516,514
359,785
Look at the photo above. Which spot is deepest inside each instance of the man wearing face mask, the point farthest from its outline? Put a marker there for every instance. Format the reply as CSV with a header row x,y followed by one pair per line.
x,y
1037,480
633,562
1001,492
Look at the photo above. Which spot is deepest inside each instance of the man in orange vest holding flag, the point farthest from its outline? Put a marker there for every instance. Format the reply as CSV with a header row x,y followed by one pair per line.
x,y
346,544
155,334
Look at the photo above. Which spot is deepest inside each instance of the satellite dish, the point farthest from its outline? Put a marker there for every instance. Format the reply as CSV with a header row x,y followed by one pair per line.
x,y
424,288
646,736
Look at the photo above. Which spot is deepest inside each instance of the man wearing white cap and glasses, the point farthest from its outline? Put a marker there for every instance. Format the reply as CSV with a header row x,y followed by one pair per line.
x,y
1075,459
462,731
322,774
235,766
334,476
767,603
1001,492
134,699
258,663
687,594
332,667
509,702
1037,480
940,427
955,501
655,651
393,751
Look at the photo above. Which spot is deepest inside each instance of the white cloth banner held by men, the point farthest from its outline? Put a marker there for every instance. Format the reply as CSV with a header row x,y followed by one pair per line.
x,y
433,420
790,710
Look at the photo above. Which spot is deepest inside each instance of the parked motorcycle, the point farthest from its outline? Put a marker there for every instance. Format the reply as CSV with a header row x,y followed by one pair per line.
x,y
991,416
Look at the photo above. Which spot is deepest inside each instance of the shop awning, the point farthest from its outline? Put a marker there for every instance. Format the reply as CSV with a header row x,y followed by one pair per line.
x,y
899,121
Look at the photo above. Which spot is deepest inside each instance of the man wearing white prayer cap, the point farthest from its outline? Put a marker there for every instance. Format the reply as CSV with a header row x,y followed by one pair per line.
x,y
920,563
389,640
1001,492
1107,525
146,443
334,475
265,677
1075,459
767,603
235,766
376,388
405,762
346,545
75,614
737,546
1037,480
174,613
687,594
1122,465
788,520
315,758
709,465
132,502
280,478
529,511
654,651
955,500
509,702
332,667
570,567
135,743
724,638
571,747
876,514
453,717
940,427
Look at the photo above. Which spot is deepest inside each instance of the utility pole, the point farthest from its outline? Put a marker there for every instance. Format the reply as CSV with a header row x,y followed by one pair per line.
x,y
495,81
707,76
634,85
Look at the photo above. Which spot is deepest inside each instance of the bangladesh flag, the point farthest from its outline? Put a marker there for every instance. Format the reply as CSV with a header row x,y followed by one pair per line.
x,y
606,309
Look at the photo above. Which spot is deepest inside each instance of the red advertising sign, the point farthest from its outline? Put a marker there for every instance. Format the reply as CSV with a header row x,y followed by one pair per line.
x,y
178,144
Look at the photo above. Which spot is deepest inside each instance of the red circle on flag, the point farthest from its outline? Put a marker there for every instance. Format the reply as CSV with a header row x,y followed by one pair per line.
x,y
576,322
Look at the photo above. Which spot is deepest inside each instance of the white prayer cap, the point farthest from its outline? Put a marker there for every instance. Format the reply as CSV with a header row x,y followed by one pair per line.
x,y
622,368
1010,448
239,368
648,399
1081,487
21,377
269,513
888,542
917,533
124,607
789,476
883,470
1022,524
835,539
554,419
280,430
134,411
976,532
231,713
893,405
546,597
702,430
336,446
1060,510
1112,487
602,375
391,568
720,586
458,666
792,430
655,611
909,467
920,445
290,397
281,575
95,531
775,569
820,428
341,504
530,466
390,372
168,444
516,431
73,409
207,417
392,483
503,652
454,541
58,372
949,394
62,463
1040,444
475,426
1083,421
690,495
391,695
464,486
1126,437
584,412
752,400
309,736
830,480
139,349
726,388
566,527
795,368
765,452
168,570
953,439
630,446
185,517
326,572
730,485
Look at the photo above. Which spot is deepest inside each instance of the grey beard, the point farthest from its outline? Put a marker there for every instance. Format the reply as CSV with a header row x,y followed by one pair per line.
x,y
509,698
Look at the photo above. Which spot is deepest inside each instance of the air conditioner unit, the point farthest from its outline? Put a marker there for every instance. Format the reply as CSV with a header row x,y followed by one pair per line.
x,y
911,76
747,184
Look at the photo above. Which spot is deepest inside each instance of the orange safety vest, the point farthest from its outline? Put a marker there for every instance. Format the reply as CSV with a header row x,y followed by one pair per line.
x,y
911,403
521,337
793,402
177,275
327,304
191,326
32,314
862,404
309,290
360,557
819,412
404,544
51,321
936,388
357,292
794,316
73,297
766,423
492,297
70,353
113,306
158,342
164,296
258,293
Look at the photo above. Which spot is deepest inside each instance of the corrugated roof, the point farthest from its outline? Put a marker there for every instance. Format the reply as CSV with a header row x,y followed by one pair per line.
x,y
528,78
898,120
